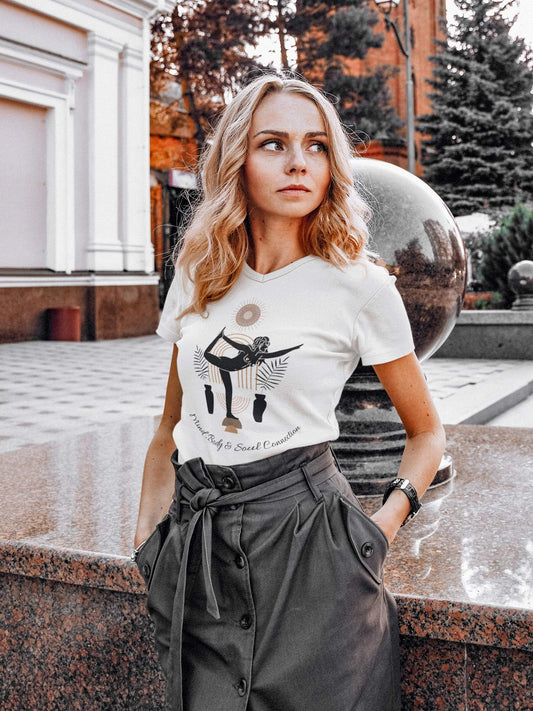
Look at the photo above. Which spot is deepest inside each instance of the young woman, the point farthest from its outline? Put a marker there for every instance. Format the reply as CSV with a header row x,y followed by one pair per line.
x,y
265,576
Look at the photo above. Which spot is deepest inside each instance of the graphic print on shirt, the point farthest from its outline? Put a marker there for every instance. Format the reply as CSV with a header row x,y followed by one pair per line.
x,y
254,366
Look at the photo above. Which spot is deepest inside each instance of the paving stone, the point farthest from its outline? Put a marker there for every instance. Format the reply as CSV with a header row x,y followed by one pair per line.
x,y
50,389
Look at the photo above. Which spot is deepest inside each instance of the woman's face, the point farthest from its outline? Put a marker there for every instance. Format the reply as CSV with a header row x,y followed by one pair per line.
x,y
286,173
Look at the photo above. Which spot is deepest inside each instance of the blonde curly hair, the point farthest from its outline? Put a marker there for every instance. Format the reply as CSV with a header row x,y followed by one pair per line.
x,y
215,245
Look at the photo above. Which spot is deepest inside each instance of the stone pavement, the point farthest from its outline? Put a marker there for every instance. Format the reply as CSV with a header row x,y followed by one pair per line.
x,y
50,389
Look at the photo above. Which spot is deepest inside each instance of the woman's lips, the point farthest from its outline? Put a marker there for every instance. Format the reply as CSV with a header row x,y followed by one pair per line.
x,y
295,189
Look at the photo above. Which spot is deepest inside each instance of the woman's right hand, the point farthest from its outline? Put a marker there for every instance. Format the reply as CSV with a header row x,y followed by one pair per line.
x,y
159,477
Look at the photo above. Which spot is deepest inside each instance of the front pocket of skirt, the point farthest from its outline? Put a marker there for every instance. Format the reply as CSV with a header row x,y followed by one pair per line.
x,y
149,553
368,541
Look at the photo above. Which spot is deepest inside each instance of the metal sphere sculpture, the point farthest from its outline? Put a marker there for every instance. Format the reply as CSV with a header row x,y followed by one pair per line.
x,y
520,278
418,241
415,234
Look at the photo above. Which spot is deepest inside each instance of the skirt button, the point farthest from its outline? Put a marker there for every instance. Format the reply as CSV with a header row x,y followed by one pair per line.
x,y
240,562
246,622
367,549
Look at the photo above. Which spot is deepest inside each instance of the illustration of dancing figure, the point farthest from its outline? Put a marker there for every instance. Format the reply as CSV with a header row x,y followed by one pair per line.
x,y
246,357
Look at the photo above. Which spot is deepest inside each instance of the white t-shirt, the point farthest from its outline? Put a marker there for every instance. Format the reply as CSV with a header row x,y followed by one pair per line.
x,y
265,370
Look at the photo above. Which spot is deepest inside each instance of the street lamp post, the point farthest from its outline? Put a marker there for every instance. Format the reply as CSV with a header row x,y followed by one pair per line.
x,y
405,46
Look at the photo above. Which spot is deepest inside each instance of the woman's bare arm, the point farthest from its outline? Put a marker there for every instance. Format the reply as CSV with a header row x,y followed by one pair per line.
x,y
406,386
158,477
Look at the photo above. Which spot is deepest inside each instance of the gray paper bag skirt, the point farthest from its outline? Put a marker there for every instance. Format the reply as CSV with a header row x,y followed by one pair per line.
x,y
265,589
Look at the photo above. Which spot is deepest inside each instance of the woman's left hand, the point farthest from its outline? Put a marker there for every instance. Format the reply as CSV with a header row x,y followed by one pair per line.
x,y
387,525
406,386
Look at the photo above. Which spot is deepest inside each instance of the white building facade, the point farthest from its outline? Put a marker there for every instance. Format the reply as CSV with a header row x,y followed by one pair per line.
x,y
74,162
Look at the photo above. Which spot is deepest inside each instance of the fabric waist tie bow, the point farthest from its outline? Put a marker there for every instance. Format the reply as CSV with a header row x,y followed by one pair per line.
x,y
192,490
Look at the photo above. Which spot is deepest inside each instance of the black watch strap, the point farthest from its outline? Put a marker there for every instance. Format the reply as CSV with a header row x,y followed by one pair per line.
x,y
409,490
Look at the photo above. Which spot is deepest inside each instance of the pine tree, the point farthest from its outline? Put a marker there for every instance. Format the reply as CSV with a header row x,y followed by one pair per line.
x,y
478,155
510,243
330,32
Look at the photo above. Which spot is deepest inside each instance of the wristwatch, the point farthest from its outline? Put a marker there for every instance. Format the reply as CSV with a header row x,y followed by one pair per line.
x,y
410,491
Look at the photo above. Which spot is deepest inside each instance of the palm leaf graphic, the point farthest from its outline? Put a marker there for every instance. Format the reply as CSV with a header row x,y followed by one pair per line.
x,y
200,363
271,372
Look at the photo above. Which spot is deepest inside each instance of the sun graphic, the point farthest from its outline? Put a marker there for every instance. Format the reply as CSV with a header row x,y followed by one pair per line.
x,y
248,315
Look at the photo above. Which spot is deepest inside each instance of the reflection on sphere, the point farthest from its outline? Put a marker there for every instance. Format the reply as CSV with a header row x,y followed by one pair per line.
x,y
415,234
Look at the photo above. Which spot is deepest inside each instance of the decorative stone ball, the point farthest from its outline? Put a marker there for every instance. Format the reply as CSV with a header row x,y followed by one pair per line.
x,y
520,277
418,241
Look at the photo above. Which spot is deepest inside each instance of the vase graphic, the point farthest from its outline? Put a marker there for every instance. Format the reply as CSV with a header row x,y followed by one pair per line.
x,y
259,407
232,424
209,398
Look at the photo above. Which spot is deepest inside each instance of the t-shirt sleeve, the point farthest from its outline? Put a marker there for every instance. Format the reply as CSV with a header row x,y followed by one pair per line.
x,y
169,326
382,331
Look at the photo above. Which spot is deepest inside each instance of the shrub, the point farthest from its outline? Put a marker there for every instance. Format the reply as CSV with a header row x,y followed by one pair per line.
x,y
475,301
508,244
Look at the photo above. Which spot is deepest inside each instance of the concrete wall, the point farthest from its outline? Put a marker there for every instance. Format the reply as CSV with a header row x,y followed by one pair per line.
x,y
490,334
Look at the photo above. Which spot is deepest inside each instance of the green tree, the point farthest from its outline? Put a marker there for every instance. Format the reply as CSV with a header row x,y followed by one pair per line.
x,y
478,155
205,46
330,32
510,243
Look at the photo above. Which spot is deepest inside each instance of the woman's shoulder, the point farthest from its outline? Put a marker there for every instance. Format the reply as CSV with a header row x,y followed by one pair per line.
x,y
362,275
181,287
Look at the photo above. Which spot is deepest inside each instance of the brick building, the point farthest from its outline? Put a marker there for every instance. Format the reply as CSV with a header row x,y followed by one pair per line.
x,y
427,19
173,159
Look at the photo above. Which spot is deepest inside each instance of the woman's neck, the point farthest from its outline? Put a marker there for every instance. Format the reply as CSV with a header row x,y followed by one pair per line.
x,y
274,244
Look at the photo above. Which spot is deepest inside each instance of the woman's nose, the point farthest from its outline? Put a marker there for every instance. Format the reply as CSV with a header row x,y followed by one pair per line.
x,y
296,160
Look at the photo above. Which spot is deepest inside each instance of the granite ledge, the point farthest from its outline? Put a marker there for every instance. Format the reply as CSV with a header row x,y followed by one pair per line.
x,y
468,623
461,571
75,567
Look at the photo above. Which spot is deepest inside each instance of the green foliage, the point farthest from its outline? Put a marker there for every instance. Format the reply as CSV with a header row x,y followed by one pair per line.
x,y
510,243
494,302
478,153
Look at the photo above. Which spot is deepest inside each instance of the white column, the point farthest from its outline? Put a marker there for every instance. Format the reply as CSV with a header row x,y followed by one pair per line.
x,y
134,135
70,237
60,180
104,249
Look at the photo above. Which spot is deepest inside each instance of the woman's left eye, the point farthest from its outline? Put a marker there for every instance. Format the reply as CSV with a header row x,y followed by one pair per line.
x,y
318,147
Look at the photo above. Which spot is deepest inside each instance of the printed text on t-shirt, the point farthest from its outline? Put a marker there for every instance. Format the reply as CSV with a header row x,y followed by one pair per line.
x,y
220,443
